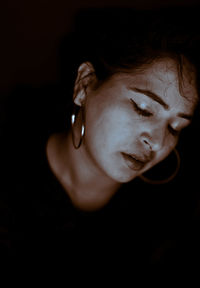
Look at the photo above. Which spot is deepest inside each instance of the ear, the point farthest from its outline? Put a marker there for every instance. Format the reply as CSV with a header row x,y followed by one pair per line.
x,y
86,75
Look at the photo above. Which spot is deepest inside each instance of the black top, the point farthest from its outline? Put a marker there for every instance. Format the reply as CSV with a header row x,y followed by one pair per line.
x,y
136,225
42,218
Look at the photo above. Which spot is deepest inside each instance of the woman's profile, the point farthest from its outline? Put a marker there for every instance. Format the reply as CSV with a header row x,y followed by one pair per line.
x,y
135,88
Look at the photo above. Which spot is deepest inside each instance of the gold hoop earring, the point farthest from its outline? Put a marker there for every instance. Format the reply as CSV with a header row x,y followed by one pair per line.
x,y
168,179
77,123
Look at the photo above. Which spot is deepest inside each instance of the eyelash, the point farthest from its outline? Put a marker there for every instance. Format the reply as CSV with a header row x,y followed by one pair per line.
x,y
173,131
140,111
147,113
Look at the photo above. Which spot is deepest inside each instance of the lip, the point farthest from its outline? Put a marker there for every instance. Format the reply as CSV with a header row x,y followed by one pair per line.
x,y
135,162
144,158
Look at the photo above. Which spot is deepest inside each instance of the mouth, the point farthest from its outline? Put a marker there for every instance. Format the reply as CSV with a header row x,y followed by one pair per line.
x,y
135,162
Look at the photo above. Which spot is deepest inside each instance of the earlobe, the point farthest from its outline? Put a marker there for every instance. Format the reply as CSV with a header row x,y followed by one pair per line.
x,y
79,98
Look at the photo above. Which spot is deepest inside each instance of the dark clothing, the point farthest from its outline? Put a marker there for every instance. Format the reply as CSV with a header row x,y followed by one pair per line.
x,y
42,218
137,225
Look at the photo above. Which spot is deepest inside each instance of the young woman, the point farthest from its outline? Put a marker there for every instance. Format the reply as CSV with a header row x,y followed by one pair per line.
x,y
128,124
132,98
135,90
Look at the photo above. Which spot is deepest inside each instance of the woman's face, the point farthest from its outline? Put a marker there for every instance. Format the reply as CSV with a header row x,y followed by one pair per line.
x,y
133,120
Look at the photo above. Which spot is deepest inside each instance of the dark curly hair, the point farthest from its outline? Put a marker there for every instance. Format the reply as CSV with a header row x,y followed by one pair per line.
x,y
122,39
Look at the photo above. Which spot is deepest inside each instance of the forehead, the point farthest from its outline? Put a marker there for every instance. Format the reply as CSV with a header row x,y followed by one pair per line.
x,y
162,78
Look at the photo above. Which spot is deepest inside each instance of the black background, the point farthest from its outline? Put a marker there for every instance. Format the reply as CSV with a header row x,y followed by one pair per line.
x,y
31,32
31,36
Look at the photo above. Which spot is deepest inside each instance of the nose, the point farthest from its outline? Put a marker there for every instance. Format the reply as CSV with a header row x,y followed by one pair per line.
x,y
153,140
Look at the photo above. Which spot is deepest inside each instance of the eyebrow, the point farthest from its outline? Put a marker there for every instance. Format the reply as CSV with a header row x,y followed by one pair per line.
x,y
151,95
159,100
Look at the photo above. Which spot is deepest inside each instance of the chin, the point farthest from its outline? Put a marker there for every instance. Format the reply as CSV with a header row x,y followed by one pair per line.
x,y
120,172
124,177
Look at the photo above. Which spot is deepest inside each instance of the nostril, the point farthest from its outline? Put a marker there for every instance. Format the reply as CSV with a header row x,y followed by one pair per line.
x,y
147,144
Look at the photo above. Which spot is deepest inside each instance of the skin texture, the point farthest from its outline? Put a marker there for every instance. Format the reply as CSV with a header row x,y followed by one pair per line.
x,y
121,117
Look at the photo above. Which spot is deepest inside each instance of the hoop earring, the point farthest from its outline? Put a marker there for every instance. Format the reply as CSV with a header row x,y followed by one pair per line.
x,y
77,118
168,179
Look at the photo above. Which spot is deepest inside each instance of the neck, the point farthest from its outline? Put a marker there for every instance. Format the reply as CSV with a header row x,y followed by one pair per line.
x,y
86,185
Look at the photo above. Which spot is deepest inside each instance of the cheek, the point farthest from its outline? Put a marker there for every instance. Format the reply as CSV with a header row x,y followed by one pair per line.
x,y
165,152
109,128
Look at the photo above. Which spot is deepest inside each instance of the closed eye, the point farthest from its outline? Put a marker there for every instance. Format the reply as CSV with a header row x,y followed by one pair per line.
x,y
173,131
141,111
